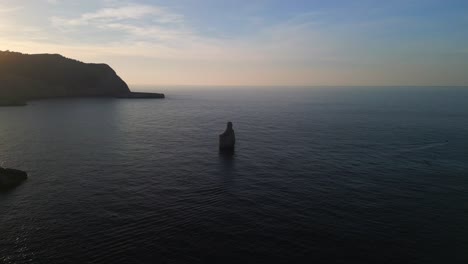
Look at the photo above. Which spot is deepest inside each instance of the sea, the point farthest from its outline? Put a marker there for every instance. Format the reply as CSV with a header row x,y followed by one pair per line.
x,y
319,175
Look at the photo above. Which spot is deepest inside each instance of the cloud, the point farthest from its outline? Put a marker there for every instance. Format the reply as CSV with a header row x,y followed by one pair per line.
x,y
161,33
6,9
129,12
149,33
128,22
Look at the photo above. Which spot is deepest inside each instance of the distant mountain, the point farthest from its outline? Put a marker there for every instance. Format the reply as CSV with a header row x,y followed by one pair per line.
x,y
24,77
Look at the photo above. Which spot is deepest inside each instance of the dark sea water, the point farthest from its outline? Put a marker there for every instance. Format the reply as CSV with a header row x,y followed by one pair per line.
x,y
320,175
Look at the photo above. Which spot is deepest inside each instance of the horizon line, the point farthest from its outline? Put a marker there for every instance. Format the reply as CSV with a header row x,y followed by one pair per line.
x,y
287,85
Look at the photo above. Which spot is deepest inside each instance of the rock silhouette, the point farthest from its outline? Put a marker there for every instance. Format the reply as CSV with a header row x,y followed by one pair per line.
x,y
25,77
10,178
227,140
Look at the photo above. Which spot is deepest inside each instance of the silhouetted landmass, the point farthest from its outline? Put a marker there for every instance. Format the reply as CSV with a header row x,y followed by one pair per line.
x,y
24,77
139,95
12,102
227,140
10,178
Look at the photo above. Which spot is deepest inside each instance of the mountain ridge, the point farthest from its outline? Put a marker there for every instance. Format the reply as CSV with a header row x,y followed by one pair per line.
x,y
26,77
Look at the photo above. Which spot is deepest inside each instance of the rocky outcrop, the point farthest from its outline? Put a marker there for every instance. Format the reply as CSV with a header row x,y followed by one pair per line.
x,y
24,77
10,178
137,95
227,140
12,102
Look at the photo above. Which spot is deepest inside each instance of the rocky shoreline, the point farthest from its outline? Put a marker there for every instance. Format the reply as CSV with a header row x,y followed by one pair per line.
x,y
12,102
4,102
139,95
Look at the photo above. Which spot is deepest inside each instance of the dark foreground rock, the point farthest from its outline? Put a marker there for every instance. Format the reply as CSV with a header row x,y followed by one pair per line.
x,y
227,140
10,178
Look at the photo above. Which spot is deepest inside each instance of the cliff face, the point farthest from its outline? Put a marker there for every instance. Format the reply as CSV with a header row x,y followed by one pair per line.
x,y
24,77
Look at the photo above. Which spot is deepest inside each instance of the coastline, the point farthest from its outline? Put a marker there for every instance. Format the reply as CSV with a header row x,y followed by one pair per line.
x,y
12,102
16,102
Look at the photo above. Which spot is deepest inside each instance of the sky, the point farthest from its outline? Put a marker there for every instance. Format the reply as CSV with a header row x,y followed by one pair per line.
x,y
252,43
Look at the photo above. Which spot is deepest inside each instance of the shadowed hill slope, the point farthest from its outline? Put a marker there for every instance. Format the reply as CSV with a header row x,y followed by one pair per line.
x,y
24,77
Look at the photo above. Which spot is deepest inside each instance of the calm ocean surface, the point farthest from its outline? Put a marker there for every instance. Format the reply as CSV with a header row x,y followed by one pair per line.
x,y
320,175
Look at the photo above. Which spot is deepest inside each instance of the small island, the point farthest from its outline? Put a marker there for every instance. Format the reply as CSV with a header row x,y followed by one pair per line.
x,y
25,77
10,178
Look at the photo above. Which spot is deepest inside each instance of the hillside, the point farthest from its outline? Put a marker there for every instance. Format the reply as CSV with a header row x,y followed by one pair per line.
x,y
24,77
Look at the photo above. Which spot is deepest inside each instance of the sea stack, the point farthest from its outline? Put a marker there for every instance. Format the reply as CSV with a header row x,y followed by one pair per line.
x,y
10,178
227,140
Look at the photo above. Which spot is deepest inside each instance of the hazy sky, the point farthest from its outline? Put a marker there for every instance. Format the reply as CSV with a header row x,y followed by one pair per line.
x,y
254,42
